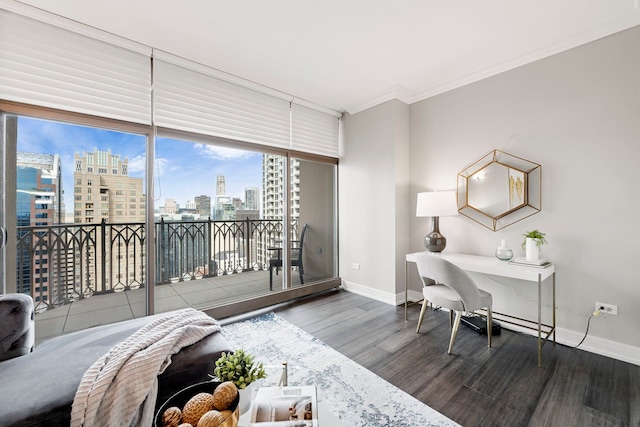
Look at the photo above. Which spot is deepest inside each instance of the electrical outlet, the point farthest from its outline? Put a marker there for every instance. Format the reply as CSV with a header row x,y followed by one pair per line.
x,y
355,266
607,308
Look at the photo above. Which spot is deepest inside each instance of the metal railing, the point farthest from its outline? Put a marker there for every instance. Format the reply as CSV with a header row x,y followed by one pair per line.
x,y
59,264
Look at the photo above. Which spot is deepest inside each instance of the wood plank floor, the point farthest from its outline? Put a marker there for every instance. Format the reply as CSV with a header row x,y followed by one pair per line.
x,y
476,386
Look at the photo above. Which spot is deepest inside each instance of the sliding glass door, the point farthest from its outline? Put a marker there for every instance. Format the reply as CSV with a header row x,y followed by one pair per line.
x,y
98,232
74,210
313,212
229,238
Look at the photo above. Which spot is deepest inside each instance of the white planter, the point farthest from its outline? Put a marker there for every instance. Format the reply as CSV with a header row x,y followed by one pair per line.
x,y
246,395
532,252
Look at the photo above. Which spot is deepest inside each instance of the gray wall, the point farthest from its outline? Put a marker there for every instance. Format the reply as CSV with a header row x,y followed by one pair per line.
x,y
578,115
373,200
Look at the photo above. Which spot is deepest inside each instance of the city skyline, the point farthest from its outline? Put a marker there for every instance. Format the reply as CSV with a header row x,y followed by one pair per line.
x,y
184,170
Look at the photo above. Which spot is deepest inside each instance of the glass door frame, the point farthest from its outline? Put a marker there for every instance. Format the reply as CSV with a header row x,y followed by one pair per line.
x,y
9,109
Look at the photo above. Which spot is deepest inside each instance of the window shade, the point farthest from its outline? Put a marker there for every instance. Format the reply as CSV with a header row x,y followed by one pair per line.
x,y
192,100
314,131
45,65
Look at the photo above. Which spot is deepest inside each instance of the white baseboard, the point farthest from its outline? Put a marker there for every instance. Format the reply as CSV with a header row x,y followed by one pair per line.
x,y
365,291
601,346
597,345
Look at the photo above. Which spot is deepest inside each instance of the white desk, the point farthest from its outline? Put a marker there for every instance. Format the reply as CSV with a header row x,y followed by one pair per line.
x,y
493,266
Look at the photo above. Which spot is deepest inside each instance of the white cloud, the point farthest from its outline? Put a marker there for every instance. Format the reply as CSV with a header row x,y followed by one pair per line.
x,y
222,153
138,165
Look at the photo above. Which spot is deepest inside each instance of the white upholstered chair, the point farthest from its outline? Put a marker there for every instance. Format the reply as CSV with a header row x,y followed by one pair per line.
x,y
453,289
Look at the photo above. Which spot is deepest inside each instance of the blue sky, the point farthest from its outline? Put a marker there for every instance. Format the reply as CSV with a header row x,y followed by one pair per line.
x,y
184,170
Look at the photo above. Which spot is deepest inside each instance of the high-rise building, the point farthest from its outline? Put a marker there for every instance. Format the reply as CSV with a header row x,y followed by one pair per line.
x,y
103,190
170,206
273,203
252,198
190,206
225,211
39,203
220,186
203,205
39,189
237,203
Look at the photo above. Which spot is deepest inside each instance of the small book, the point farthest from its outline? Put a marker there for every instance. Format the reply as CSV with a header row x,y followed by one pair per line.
x,y
522,264
285,407
522,260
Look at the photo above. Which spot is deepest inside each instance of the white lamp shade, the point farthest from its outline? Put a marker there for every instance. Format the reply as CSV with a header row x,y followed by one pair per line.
x,y
437,203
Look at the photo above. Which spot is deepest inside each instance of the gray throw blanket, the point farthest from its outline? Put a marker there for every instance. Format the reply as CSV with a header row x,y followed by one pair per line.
x,y
120,388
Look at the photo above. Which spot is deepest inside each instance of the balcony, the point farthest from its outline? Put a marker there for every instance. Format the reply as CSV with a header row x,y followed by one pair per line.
x,y
84,275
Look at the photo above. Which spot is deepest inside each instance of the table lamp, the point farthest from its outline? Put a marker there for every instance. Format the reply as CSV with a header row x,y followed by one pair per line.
x,y
436,204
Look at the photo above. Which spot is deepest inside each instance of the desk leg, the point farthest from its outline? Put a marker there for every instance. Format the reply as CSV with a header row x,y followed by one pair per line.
x,y
539,320
554,307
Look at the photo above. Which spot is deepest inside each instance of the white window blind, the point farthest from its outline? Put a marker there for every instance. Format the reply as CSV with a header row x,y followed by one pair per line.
x,y
314,131
46,65
49,61
187,98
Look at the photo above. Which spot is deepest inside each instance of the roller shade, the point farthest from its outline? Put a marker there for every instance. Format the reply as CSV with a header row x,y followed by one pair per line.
x,y
187,97
314,131
52,62
46,65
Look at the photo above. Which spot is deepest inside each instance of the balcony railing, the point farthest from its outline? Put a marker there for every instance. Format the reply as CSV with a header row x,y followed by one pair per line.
x,y
60,264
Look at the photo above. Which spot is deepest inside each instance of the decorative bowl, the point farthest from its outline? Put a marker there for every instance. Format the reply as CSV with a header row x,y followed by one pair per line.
x,y
181,397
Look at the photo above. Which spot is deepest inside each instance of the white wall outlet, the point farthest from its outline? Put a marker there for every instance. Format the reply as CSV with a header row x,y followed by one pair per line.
x,y
355,266
607,308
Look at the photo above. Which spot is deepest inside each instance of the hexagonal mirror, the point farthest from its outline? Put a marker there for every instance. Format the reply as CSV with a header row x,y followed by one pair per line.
x,y
499,189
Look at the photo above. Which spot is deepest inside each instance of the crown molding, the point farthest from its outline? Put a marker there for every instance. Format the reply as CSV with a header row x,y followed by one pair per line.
x,y
396,92
629,19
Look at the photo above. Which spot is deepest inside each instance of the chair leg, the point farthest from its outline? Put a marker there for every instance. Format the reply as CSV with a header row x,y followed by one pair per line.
x,y
270,278
489,325
423,310
454,331
451,318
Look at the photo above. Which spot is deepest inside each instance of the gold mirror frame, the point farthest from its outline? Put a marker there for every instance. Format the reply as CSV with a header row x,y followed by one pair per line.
x,y
499,190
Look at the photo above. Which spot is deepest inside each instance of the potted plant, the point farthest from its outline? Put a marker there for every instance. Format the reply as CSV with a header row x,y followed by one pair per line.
x,y
240,368
533,240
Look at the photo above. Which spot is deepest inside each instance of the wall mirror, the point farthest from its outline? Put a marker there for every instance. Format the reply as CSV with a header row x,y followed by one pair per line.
x,y
499,189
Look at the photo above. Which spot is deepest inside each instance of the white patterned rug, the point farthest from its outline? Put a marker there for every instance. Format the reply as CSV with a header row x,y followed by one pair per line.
x,y
354,394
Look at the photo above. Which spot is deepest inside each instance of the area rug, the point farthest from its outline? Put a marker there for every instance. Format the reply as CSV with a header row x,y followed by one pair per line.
x,y
354,394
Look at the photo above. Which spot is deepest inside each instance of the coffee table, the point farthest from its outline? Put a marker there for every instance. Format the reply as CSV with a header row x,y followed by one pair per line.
x,y
325,418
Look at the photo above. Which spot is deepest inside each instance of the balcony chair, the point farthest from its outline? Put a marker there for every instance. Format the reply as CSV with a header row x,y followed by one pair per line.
x,y
453,289
296,258
17,325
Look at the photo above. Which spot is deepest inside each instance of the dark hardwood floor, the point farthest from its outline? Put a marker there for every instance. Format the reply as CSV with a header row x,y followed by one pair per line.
x,y
476,386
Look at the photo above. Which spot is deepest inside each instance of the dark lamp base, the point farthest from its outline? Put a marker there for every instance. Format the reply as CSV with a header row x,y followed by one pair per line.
x,y
435,242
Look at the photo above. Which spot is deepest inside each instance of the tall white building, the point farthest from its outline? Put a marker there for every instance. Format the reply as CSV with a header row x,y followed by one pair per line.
x,y
252,198
273,202
220,186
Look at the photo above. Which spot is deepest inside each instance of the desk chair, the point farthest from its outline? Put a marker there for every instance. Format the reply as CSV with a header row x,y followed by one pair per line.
x,y
296,258
454,289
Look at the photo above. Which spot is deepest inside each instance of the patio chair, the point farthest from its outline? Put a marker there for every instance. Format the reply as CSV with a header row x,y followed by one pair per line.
x,y
275,261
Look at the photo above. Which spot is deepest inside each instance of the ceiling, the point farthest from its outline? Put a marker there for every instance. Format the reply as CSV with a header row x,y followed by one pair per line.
x,y
349,55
